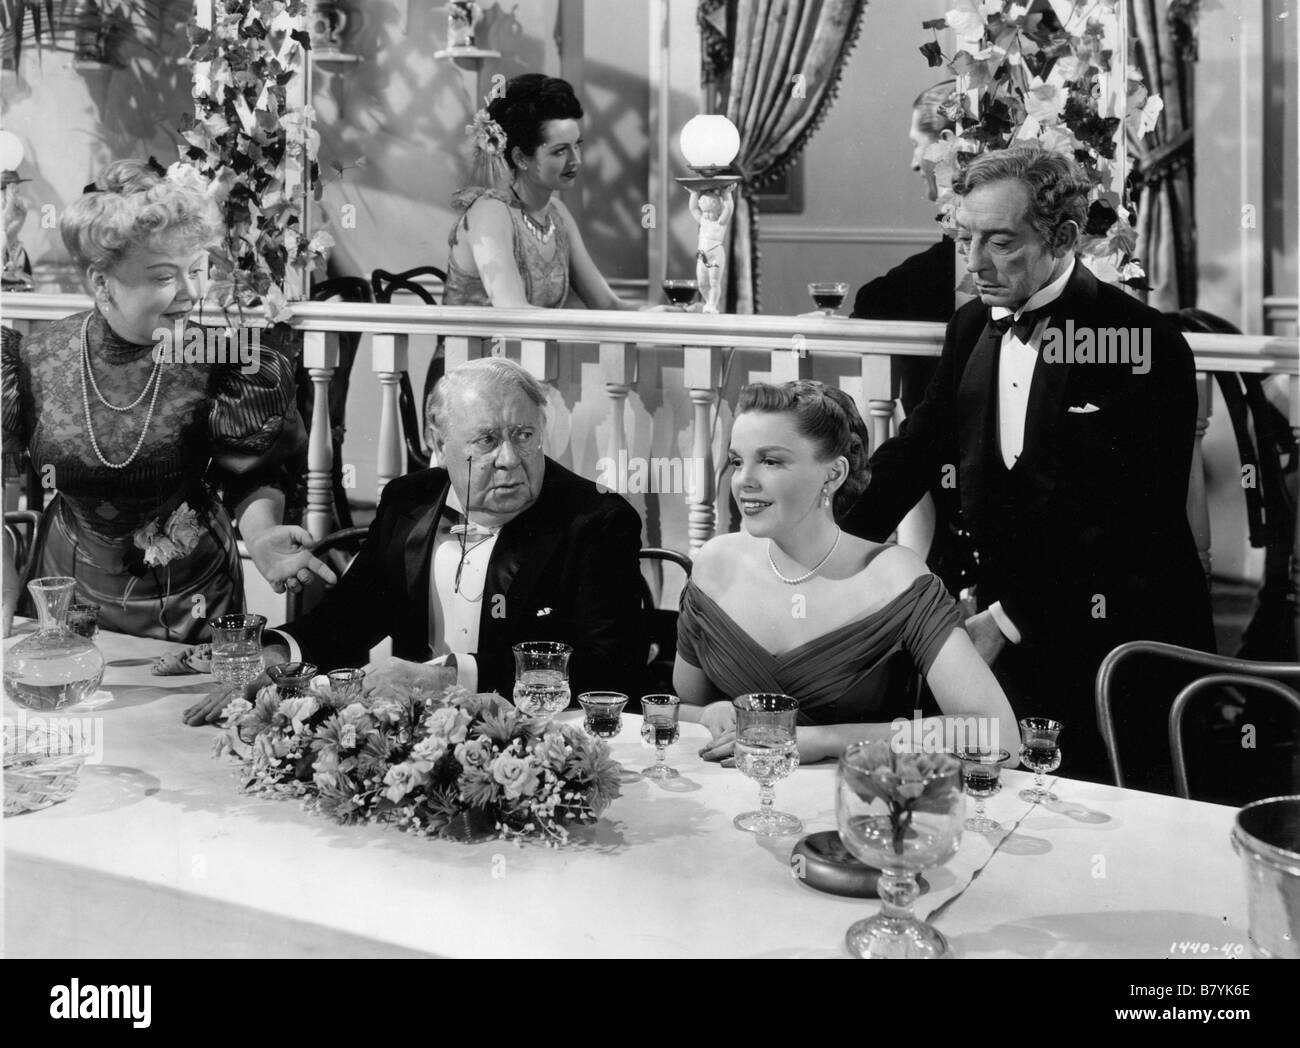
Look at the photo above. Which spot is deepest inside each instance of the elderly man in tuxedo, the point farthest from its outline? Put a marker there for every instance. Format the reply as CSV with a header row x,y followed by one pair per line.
x,y
1071,471
500,545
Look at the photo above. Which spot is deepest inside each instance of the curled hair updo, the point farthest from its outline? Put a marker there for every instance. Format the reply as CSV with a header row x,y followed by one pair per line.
x,y
529,102
824,415
133,206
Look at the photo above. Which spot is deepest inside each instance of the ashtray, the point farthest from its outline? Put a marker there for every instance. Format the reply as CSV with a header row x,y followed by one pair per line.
x,y
821,861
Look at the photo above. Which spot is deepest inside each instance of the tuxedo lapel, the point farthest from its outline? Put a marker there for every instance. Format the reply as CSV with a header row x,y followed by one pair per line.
x,y
417,552
522,550
1047,390
977,416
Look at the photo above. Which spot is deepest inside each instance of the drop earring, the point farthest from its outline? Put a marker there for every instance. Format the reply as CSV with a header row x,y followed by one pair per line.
x,y
826,495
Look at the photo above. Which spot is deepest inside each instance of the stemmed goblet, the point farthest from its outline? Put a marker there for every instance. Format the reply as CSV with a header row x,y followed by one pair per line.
x,y
659,727
981,772
1040,753
767,752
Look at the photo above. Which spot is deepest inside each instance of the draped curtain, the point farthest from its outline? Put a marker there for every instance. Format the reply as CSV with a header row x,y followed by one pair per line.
x,y
773,68
1164,49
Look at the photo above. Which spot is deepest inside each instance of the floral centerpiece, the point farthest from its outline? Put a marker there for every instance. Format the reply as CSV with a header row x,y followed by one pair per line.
x,y
1049,73
440,763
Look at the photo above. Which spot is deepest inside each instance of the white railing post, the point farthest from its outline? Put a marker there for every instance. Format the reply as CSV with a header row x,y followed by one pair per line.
x,y
702,375
790,363
320,356
389,359
878,392
618,369
460,349
1198,506
539,358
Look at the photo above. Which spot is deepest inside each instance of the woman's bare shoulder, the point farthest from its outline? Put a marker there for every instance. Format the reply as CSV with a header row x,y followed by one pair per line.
x,y
888,570
717,560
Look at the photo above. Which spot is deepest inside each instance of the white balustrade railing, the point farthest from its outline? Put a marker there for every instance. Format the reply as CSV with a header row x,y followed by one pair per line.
x,y
702,340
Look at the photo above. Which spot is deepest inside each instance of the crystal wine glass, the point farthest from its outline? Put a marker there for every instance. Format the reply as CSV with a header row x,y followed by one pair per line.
x,y
237,648
541,678
767,752
828,295
1040,753
603,711
659,727
981,772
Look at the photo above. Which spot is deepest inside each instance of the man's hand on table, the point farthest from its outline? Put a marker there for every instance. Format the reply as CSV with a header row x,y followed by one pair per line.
x,y
393,673
208,709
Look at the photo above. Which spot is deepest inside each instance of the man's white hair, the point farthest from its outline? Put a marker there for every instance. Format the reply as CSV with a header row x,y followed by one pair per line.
x,y
487,374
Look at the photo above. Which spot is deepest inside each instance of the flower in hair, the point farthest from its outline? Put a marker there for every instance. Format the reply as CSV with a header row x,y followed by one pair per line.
x,y
487,133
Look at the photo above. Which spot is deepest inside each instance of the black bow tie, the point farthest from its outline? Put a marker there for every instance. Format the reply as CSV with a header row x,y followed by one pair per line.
x,y
1023,328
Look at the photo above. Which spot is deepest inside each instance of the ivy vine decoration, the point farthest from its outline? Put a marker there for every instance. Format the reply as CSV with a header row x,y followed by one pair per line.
x,y
1040,76
257,151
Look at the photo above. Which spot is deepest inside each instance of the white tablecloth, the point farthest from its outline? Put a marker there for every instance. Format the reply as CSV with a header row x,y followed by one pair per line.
x,y
159,854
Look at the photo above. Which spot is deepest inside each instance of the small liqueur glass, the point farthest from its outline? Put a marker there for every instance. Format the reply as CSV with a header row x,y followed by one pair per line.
x,y
681,292
603,711
766,751
1040,753
345,685
292,679
828,295
981,774
83,619
660,729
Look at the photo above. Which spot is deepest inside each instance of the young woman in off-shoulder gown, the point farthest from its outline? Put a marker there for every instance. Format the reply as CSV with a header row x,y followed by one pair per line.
x,y
792,604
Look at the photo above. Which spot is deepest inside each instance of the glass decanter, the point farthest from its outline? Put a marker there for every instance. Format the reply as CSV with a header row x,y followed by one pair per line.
x,y
54,667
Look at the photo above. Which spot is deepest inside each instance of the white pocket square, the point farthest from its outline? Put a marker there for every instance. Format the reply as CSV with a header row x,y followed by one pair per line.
x,y
1087,409
543,611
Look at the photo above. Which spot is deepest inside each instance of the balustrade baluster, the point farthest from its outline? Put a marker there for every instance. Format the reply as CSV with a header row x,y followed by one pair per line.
x,y
878,392
618,361
320,356
389,358
702,374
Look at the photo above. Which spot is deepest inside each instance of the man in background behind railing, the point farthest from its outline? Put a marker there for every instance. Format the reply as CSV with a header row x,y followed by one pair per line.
x,y
501,546
1072,472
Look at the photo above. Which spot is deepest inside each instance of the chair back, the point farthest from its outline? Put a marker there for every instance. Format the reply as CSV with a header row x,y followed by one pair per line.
x,y
21,526
660,623
386,284
1175,656
1176,711
337,549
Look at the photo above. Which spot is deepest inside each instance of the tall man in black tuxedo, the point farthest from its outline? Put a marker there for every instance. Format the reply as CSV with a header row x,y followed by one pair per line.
x,y
543,555
1072,475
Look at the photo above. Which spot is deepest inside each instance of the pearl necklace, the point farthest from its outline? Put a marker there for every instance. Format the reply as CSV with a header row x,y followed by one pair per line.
x,y
803,578
155,379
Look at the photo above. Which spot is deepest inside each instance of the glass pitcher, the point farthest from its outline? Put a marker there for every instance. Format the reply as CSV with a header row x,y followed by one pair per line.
x,y
54,667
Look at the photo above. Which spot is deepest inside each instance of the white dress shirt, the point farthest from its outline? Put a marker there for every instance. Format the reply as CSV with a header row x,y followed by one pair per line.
x,y
454,611
1016,364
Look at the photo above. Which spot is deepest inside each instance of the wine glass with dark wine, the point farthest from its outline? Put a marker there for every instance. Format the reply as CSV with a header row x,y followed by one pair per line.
x,y
659,728
603,712
828,295
981,775
681,292
1040,753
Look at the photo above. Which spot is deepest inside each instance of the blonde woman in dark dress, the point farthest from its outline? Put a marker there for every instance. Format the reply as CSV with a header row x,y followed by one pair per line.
x,y
136,443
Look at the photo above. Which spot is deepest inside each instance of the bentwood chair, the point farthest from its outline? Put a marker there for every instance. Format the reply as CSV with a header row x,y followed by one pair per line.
x,y
660,623
1272,755
337,549
21,526
1193,690
411,412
